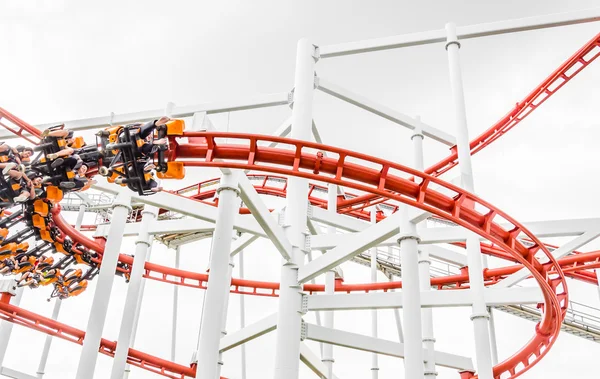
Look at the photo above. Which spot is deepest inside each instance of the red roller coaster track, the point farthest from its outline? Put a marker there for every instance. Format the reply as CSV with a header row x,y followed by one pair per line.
x,y
383,183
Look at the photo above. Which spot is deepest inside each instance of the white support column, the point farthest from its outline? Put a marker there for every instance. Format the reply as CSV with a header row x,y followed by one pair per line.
x,y
424,265
327,358
175,307
373,253
218,280
57,304
225,308
132,298
137,313
411,300
242,312
6,327
480,315
287,350
104,283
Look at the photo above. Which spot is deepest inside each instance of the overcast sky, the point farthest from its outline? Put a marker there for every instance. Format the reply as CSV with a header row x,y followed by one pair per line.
x,y
65,60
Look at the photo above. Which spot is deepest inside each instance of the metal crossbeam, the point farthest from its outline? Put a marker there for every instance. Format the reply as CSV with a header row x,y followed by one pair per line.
x,y
463,32
263,101
265,219
385,112
429,299
380,346
352,245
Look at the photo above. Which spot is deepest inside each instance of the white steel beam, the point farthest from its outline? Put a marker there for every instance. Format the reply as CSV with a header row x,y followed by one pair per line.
x,y
385,112
429,299
187,207
241,243
265,219
97,318
250,332
217,293
14,374
186,225
314,363
268,100
352,245
380,346
561,252
463,32
339,221
445,255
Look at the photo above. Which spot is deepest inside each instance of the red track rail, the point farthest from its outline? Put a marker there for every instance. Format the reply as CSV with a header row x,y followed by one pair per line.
x,y
388,180
561,76
54,328
548,274
19,127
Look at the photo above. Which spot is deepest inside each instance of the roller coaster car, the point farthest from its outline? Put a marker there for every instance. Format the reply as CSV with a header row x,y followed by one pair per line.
x,y
49,276
71,275
52,145
3,234
45,263
41,207
86,257
8,250
124,270
24,266
9,189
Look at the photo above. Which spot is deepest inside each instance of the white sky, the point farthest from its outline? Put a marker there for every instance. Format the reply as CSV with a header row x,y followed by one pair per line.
x,y
63,60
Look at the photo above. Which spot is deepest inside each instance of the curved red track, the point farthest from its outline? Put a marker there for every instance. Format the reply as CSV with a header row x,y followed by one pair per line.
x,y
383,184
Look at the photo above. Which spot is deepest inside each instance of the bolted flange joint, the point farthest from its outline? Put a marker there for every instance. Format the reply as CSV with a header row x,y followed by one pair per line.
x,y
229,188
145,242
452,43
483,315
409,237
430,373
429,339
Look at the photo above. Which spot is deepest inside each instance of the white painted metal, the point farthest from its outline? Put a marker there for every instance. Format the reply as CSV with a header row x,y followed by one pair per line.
x,y
381,346
327,356
57,303
373,253
465,32
411,296
561,252
350,246
242,314
5,326
429,299
424,275
266,220
287,349
132,298
225,309
137,314
397,313
313,363
480,315
174,317
263,101
104,283
187,207
385,112
218,281
250,332
10,373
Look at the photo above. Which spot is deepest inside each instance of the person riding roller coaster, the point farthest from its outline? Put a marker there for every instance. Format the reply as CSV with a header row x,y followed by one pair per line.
x,y
16,187
62,162
11,157
128,153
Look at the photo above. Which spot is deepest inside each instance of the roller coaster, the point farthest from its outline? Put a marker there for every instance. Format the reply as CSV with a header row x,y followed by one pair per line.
x,y
396,218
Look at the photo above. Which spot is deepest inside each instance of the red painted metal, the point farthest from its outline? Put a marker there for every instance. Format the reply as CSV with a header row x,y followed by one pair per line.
x,y
19,127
